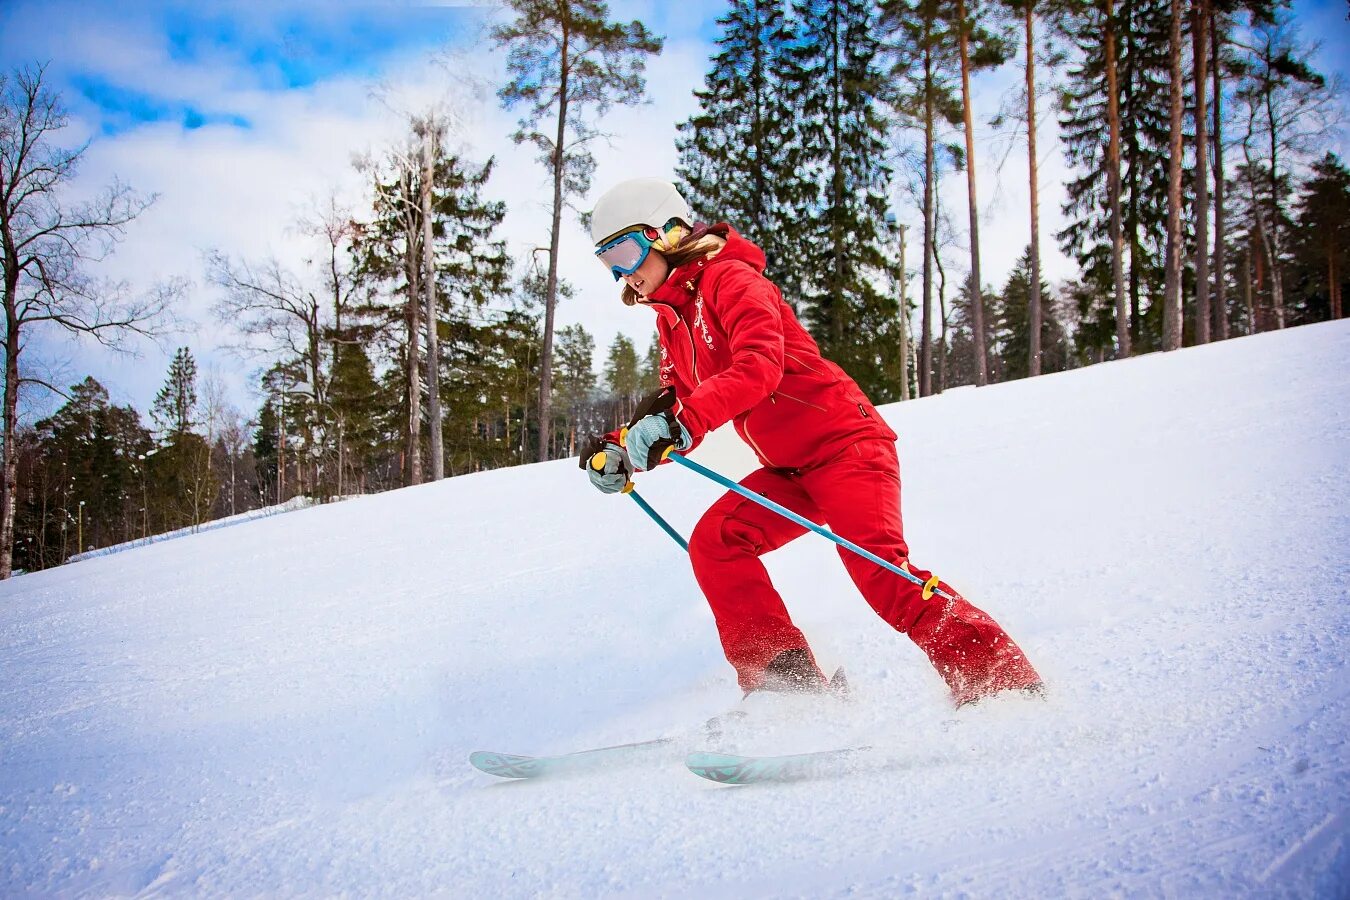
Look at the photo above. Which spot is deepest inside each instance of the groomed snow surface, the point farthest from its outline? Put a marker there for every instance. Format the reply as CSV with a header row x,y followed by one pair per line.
x,y
285,707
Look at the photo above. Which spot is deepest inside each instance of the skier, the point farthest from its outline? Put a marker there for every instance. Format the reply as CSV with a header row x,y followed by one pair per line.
x,y
732,350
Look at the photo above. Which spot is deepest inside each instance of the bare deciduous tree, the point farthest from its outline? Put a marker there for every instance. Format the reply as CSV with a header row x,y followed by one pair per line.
x,y
276,311
46,244
1288,108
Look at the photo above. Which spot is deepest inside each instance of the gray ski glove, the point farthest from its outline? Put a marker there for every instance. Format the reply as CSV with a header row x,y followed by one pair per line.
x,y
612,475
649,437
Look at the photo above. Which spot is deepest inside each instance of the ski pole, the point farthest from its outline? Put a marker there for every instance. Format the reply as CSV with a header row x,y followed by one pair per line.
x,y
597,462
929,587
656,517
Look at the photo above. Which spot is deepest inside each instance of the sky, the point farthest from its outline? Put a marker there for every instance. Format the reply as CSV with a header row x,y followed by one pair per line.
x,y
239,117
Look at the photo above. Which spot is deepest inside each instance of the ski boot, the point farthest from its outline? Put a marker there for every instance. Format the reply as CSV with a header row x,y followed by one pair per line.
x,y
792,672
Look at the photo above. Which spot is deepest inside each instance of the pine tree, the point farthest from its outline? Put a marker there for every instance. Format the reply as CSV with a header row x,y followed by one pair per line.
x,y
472,273
184,485
1322,243
623,377
488,387
651,367
576,381
1143,78
565,56
836,99
474,278
740,153
1012,326
265,444
87,479
1260,283
175,408
353,395
389,250
279,433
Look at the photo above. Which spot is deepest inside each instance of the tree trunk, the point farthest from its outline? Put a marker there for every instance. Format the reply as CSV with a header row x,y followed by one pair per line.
x,y
926,341
904,323
281,450
434,424
1199,37
9,486
1273,238
976,297
942,309
555,230
1123,348
1034,295
412,318
1220,189
1247,287
1268,250
1333,277
1172,283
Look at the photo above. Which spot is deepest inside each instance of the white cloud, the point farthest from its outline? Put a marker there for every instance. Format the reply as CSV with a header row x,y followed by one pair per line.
x,y
240,190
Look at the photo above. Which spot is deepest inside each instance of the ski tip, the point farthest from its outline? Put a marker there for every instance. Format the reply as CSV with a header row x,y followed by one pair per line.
x,y
727,768
723,768
504,765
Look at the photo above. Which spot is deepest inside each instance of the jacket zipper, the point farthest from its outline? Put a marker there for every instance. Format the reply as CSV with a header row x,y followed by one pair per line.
x,y
801,401
689,332
799,361
745,428
693,349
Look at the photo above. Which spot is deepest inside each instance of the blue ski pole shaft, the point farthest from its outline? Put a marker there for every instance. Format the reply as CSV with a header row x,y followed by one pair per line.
x,y
598,464
656,517
929,587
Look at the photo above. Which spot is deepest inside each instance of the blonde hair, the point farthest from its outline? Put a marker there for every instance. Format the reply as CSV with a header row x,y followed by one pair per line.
x,y
701,242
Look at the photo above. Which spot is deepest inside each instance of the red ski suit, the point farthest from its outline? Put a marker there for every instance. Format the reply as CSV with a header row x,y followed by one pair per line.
x,y
734,351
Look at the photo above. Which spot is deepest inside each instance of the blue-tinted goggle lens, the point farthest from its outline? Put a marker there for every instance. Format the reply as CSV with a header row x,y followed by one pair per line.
x,y
625,254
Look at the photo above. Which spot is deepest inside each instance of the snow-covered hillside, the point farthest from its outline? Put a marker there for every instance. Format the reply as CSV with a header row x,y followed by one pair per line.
x,y
285,707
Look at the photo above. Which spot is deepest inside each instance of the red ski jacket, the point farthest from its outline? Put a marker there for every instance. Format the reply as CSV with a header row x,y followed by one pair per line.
x,y
734,351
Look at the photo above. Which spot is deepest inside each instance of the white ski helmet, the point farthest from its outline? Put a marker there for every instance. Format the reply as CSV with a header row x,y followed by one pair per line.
x,y
637,202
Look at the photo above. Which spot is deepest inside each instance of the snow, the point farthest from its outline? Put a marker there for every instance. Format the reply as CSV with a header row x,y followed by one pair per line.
x,y
285,707
263,512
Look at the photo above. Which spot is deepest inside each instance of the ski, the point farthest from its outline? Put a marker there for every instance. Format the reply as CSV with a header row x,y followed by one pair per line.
x,y
728,768
511,765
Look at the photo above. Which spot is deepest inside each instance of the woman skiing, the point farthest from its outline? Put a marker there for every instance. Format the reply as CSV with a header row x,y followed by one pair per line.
x,y
732,350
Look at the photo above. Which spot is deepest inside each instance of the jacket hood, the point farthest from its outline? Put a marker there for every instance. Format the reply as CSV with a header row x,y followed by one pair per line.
x,y
677,287
737,248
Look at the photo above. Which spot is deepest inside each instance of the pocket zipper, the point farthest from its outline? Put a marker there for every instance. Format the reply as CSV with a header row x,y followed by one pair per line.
x,y
800,400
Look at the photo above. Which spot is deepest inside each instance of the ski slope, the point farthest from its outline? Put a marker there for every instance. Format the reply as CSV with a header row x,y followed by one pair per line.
x,y
285,707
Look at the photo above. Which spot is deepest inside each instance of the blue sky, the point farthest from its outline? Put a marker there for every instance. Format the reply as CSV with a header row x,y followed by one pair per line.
x,y
271,47
288,46
296,46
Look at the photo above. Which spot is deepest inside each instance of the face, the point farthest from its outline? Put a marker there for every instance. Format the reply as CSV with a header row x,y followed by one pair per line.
x,y
650,275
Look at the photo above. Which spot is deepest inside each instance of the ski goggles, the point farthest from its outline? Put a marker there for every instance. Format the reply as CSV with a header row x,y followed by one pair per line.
x,y
626,253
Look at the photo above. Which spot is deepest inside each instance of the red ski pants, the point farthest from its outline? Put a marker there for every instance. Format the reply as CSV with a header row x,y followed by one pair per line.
x,y
857,494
